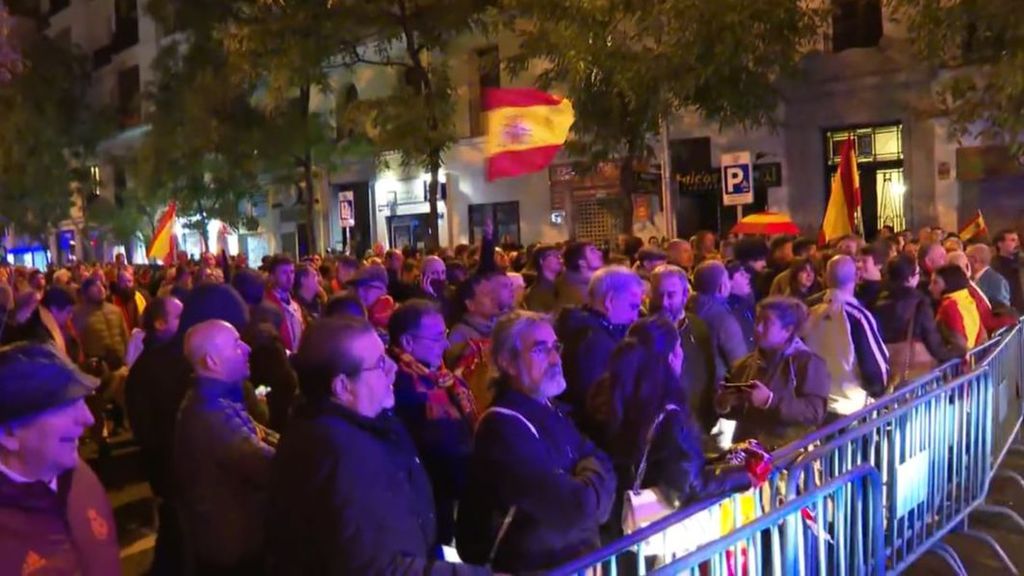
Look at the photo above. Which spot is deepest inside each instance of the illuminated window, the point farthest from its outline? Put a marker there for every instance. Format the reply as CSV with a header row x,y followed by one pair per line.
x,y
874,144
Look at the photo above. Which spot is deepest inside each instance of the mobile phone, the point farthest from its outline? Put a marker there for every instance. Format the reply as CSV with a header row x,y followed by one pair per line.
x,y
262,391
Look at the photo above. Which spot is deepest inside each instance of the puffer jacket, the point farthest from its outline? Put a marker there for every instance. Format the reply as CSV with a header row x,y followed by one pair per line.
x,y
727,340
222,462
588,339
102,332
67,530
799,381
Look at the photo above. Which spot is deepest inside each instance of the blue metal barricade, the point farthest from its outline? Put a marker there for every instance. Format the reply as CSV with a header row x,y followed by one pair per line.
x,y
837,529
934,443
933,458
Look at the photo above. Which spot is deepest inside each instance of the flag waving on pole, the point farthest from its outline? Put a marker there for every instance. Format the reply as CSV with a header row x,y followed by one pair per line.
x,y
163,245
975,228
842,215
525,129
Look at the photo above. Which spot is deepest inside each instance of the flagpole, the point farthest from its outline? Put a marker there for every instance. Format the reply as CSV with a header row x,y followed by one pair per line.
x,y
668,204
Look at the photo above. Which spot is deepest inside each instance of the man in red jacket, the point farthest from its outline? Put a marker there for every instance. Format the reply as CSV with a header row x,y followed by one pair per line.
x,y
54,515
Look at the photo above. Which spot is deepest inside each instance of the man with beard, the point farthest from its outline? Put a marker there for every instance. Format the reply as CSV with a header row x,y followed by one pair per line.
x,y
670,290
531,470
129,299
279,294
1007,264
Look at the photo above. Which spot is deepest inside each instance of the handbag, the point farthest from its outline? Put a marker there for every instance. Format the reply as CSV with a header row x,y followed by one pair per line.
x,y
910,355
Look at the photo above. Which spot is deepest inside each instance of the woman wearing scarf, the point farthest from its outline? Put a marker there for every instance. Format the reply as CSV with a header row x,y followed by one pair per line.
x,y
780,391
958,317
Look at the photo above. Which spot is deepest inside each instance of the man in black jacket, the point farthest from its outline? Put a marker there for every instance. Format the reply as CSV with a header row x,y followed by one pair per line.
x,y
542,295
221,456
589,333
532,472
348,494
670,290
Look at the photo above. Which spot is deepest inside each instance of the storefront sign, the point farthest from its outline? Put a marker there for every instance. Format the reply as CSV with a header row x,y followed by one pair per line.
x,y
347,208
706,181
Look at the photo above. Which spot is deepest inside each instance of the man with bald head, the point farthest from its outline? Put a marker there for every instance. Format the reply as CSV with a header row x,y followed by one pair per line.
x,y
845,334
221,455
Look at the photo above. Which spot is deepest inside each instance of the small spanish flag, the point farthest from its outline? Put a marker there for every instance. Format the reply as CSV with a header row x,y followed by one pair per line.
x,y
163,245
525,129
975,228
842,215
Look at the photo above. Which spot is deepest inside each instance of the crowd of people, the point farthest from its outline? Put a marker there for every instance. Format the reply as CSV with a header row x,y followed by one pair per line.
x,y
371,415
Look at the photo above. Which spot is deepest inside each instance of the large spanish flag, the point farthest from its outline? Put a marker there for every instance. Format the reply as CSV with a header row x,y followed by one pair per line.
x,y
163,245
842,215
975,228
525,129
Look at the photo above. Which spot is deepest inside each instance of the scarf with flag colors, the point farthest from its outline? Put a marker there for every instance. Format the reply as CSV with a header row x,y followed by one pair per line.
x,y
525,130
842,215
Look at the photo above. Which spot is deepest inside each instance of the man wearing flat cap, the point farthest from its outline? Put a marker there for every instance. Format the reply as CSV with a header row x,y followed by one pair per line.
x,y
54,515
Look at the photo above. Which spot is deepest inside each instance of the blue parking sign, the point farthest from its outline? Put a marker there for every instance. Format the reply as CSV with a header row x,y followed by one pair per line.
x,y
737,179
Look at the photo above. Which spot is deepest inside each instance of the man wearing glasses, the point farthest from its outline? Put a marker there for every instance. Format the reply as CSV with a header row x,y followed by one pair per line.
x,y
435,404
348,493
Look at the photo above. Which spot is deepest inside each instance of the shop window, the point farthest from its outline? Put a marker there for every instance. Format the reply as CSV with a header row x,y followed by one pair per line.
x,y
856,24
504,215
488,75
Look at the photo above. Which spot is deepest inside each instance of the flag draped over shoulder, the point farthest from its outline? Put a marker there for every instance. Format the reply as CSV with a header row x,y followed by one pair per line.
x,y
842,215
163,245
975,228
525,129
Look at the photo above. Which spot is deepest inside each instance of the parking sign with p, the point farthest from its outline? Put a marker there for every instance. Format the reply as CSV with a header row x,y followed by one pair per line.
x,y
737,179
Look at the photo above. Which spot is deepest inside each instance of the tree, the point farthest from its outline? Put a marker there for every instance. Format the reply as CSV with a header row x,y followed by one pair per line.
x,y
283,47
48,134
980,46
208,146
627,65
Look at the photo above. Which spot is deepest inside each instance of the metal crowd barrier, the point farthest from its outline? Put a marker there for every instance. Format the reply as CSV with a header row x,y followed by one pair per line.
x,y
935,443
833,530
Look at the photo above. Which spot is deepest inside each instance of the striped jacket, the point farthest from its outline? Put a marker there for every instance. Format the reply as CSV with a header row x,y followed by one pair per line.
x,y
845,334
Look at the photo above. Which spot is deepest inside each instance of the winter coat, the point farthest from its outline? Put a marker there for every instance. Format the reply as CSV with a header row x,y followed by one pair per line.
x,y
893,314
155,386
698,370
530,457
269,366
66,530
222,460
588,339
745,311
726,334
437,409
542,296
348,495
994,287
102,332
798,379
571,289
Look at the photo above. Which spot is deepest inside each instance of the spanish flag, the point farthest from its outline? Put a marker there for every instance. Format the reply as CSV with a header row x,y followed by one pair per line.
x,y
525,129
163,245
842,215
975,228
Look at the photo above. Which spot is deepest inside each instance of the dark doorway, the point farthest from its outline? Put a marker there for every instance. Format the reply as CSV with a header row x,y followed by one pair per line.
x,y
408,230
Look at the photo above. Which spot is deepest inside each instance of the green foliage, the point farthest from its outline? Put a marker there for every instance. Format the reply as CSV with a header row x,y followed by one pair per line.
x,y
980,44
627,64
47,132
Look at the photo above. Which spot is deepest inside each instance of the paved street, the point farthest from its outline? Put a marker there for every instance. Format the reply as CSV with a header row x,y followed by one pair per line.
x,y
134,507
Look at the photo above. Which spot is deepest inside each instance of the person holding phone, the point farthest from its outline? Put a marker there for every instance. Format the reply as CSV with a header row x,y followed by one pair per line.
x,y
780,391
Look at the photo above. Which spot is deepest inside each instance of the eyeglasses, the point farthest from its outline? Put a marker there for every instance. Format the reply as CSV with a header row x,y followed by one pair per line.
x,y
381,364
434,339
543,350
